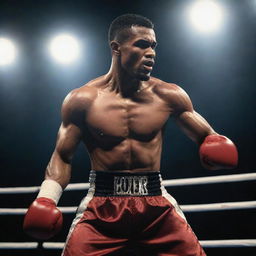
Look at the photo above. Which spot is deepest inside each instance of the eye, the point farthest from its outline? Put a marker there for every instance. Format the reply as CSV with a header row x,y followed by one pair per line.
x,y
142,44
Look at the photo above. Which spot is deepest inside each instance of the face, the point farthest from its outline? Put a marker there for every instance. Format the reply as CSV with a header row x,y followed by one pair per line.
x,y
137,53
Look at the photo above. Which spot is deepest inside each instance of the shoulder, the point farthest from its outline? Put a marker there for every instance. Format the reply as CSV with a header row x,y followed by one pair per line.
x,y
79,97
173,95
82,97
78,101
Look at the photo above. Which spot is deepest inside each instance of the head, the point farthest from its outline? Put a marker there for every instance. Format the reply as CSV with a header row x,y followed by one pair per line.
x,y
132,41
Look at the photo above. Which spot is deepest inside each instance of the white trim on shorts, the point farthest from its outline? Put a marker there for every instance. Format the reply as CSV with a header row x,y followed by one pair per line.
x,y
171,199
80,211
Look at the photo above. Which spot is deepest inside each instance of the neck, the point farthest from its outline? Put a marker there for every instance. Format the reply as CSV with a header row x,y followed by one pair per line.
x,y
121,82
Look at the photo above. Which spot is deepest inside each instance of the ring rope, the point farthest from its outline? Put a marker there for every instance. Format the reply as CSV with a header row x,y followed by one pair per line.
x,y
19,245
228,243
186,208
211,179
173,182
219,206
204,243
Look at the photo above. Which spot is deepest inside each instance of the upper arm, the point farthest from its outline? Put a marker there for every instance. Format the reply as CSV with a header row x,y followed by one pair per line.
x,y
192,123
70,131
69,135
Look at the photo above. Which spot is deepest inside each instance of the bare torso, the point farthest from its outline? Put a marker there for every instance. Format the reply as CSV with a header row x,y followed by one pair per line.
x,y
124,133
121,127
121,133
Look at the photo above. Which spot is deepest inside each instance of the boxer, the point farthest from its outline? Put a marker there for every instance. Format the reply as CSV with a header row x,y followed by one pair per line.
x,y
120,118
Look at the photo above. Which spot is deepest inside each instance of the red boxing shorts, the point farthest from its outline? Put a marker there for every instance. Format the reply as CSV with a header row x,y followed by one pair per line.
x,y
130,214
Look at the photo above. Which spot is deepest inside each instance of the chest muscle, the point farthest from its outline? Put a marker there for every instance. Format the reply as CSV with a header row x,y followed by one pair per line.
x,y
121,118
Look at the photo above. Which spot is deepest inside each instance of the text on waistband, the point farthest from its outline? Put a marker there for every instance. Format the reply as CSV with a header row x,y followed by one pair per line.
x,y
130,185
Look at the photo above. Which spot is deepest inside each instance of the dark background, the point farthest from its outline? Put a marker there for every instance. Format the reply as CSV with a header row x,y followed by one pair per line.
x,y
217,71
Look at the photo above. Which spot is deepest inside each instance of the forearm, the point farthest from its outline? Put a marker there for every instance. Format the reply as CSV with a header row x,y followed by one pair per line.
x,y
59,169
194,126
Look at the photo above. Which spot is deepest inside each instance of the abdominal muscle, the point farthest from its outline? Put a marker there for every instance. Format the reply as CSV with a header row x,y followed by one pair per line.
x,y
129,155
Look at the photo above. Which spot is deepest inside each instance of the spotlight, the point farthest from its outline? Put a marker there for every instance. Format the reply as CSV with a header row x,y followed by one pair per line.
x,y
64,48
206,15
7,52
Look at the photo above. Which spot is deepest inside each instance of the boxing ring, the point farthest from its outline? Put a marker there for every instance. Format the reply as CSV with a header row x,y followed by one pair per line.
x,y
225,206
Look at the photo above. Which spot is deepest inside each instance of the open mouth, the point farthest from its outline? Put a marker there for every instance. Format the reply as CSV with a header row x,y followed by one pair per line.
x,y
148,65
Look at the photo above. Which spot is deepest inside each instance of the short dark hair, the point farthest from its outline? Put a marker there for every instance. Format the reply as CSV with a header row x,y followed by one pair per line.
x,y
119,26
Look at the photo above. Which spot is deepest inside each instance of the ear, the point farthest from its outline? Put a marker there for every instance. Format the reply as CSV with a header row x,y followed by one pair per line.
x,y
115,47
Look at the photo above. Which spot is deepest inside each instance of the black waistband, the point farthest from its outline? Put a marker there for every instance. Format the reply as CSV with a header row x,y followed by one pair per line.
x,y
114,183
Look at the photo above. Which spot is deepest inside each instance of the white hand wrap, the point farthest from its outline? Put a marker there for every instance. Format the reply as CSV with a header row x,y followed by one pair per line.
x,y
51,189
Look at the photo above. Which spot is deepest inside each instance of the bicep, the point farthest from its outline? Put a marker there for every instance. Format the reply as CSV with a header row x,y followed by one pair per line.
x,y
70,131
68,138
194,125
59,167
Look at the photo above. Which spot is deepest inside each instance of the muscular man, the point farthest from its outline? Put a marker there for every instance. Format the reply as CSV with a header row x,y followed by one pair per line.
x,y
120,118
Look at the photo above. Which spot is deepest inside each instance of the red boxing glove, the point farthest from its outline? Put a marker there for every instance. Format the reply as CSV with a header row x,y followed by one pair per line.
x,y
43,219
218,152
